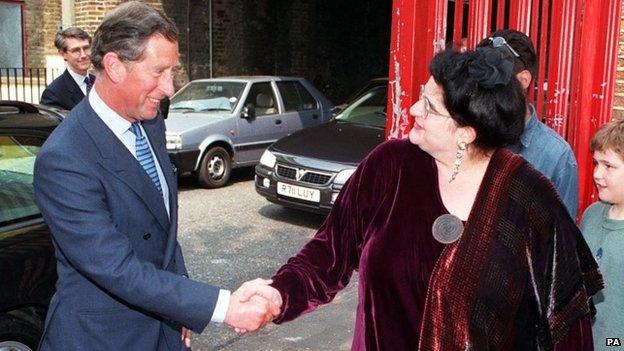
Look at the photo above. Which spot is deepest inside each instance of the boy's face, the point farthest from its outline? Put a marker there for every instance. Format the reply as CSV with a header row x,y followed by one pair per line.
x,y
609,176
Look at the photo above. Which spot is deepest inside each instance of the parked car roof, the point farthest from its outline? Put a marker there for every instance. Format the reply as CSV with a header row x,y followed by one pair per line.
x,y
248,78
22,115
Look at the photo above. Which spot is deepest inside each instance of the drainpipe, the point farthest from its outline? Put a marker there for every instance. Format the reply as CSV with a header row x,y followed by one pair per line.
x,y
210,34
188,38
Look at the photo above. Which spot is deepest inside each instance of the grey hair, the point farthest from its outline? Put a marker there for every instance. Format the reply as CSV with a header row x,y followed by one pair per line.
x,y
126,30
60,40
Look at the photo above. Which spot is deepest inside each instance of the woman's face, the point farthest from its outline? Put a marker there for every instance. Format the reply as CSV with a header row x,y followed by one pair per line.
x,y
609,176
434,129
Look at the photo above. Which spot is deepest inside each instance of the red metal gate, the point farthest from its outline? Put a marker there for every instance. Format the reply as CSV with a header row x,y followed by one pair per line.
x,y
576,40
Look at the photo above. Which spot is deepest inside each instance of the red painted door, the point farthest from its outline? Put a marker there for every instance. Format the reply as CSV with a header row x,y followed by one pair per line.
x,y
576,40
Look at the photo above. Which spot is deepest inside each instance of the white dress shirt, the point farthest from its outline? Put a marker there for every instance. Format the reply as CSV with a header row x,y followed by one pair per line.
x,y
121,128
79,80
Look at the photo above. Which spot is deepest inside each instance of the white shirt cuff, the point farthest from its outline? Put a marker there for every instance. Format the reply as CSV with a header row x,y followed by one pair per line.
x,y
223,302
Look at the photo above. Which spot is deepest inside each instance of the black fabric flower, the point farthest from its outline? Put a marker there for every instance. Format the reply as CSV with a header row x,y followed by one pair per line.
x,y
490,67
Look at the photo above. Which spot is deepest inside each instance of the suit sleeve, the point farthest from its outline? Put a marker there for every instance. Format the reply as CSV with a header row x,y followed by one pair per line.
x,y
73,203
50,99
179,258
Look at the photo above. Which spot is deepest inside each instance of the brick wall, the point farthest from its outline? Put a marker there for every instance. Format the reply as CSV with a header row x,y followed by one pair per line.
x,y
89,13
41,18
336,45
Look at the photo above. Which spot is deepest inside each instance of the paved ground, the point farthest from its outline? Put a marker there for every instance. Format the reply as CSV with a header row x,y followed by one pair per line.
x,y
231,235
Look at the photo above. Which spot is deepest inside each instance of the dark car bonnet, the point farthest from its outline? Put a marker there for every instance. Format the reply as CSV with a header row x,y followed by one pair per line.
x,y
335,141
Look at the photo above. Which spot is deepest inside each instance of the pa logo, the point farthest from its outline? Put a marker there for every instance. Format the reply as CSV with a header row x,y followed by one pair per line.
x,y
614,342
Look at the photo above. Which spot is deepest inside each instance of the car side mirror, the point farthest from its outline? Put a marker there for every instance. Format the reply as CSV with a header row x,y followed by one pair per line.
x,y
249,111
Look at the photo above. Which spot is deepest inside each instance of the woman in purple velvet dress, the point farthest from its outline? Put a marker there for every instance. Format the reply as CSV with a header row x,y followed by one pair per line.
x,y
459,243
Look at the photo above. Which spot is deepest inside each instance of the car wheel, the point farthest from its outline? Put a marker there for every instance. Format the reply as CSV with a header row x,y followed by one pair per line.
x,y
17,334
215,168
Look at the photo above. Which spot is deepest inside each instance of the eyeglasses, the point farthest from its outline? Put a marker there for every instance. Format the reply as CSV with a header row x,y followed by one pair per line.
x,y
497,42
77,50
428,110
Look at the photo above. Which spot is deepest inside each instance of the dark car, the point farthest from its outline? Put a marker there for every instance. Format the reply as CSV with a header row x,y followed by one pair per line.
x,y
307,169
27,263
373,83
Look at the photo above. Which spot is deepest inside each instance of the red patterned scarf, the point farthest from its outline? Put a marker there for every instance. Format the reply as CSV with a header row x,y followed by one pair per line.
x,y
518,240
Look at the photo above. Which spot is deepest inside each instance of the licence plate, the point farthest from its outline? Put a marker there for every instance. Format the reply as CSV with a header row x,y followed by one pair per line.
x,y
299,192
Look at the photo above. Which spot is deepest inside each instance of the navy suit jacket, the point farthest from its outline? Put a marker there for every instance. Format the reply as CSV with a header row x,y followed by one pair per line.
x,y
122,283
63,92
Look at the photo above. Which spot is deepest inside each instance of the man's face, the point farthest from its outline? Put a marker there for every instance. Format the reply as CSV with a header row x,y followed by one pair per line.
x,y
76,54
149,80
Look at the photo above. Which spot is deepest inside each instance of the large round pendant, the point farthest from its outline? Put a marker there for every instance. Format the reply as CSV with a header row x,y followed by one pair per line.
x,y
447,228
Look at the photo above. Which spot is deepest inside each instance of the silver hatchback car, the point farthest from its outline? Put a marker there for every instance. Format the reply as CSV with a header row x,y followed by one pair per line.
x,y
215,125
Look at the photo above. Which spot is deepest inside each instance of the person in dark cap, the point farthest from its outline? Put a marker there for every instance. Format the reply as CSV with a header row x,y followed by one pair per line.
x,y
546,150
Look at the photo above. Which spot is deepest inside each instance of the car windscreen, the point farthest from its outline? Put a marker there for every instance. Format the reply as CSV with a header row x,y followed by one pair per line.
x,y
208,96
17,160
369,109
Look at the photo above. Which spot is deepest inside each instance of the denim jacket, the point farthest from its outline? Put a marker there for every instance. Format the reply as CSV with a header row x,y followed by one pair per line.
x,y
550,154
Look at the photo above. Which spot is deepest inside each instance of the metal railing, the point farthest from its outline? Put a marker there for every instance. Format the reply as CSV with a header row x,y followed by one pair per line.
x,y
25,84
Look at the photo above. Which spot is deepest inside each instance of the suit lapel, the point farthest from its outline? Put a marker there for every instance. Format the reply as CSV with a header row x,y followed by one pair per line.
x,y
75,94
119,161
154,129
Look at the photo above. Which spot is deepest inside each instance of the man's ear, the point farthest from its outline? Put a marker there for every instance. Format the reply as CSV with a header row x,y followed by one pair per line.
x,y
114,67
524,77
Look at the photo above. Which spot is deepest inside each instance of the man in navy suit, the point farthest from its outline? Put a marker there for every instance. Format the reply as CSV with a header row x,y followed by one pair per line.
x,y
66,91
106,188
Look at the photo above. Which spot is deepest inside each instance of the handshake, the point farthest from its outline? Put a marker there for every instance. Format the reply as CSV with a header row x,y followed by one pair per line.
x,y
253,305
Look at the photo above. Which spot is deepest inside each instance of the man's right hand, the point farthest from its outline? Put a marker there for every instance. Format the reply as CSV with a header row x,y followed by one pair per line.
x,y
252,306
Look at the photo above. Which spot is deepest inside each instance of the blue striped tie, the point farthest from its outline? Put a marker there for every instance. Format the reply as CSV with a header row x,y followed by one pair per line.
x,y
144,155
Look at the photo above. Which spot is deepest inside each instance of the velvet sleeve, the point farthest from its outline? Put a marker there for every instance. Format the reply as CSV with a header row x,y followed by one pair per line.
x,y
325,264
564,273
579,337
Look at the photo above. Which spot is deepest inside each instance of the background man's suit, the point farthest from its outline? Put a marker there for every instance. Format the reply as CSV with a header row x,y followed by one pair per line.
x,y
63,92
121,270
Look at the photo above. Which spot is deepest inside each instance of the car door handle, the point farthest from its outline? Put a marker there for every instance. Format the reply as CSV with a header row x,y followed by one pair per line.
x,y
278,122
315,116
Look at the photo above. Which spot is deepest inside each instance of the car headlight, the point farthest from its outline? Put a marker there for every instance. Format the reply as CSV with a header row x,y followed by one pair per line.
x,y
174,141
343,176
268,159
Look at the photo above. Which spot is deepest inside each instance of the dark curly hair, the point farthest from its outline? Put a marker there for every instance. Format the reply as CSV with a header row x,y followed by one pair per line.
x,y
479,92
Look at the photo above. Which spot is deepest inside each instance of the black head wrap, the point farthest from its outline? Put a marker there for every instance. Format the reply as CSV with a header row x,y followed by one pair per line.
x,y
491,67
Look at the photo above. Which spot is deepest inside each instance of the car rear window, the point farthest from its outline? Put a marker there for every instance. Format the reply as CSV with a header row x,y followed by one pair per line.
x,y
208,96
296,97
17,160
368,109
